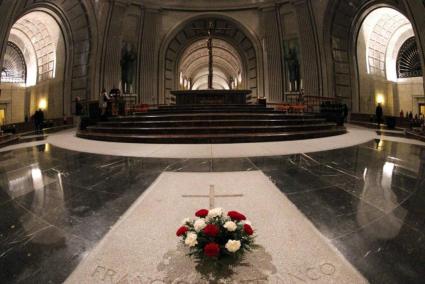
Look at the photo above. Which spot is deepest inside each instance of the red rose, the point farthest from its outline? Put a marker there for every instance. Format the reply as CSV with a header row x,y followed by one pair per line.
x,y
211,230
248,229
201,213
235,215
181,231
211,249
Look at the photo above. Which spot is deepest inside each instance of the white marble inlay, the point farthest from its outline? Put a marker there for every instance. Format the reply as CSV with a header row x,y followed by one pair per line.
x,y
356,135
142,246
68,140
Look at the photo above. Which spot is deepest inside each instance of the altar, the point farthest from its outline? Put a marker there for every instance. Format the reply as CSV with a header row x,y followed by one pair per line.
x,y
211,97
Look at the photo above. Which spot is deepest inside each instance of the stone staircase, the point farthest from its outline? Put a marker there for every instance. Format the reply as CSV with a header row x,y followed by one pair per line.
x,y
211,124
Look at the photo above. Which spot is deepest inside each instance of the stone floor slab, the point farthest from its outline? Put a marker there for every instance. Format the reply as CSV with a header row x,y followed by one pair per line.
x,y
142,246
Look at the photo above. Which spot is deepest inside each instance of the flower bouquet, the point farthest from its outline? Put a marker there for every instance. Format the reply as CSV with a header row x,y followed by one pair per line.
x,y
217,237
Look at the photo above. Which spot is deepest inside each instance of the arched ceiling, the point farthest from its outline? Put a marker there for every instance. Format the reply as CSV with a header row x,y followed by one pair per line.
x,y
37,35
378,28
234,44
227,63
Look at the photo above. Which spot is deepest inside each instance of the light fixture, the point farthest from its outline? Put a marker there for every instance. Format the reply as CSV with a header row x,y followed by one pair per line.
x,y
42,104
380,99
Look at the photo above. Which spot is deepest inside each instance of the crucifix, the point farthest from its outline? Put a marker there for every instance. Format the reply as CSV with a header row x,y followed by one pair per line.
x,y
211,196
210,32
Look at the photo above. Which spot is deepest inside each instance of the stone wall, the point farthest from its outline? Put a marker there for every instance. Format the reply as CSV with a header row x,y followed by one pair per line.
x,y
95,31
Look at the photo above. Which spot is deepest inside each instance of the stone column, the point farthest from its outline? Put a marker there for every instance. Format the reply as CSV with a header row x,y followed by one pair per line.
x,y
112,46
273,51
311,73
148,64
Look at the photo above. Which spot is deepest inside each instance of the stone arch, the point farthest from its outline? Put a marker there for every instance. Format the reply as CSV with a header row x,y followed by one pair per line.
x,y
341,32
227,64
77,29
40,37
183,35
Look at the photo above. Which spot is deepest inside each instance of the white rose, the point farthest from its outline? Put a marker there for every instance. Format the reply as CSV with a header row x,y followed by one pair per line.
x,y
191,240
230,226
216,212
199,224
233,245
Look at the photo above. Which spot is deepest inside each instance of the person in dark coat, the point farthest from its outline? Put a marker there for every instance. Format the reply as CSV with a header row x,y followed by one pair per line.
x,y
345,110
78,106
379,114
35,118
38,120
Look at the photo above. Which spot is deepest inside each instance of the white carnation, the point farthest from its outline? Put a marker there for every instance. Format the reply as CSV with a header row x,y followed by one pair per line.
x,y
199,225
191,240
216,212
230,226
233,246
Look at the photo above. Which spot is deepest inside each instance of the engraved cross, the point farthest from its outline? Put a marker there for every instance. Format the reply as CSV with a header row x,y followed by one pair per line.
x,y
211,196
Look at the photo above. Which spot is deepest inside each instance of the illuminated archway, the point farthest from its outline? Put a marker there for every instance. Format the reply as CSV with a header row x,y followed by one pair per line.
x,y
233,42
39,37
382,34
227,65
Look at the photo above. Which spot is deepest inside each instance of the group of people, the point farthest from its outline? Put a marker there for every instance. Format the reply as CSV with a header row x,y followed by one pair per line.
x,y
112,103
414,119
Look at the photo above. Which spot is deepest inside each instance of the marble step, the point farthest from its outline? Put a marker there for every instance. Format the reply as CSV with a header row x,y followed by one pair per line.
x,y
212,106
257,107
212,138
212,116
208,123
8,139
228,110
209,130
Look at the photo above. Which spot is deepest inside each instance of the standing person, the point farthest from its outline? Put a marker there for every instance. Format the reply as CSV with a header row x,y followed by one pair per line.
x,y
36,118
379,113
423,124
104,99
78,111
345,110
78,106
41,120
401,114
410,116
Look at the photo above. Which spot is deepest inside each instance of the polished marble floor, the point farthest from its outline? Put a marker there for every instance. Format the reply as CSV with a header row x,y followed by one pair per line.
x,y
368,200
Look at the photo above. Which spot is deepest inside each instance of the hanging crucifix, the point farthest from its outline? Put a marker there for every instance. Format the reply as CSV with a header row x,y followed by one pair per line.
x,y
210,31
